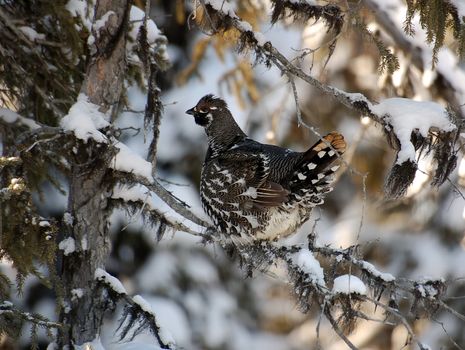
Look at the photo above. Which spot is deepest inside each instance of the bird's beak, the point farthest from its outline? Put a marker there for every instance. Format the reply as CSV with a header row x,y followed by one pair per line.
x,y
190,111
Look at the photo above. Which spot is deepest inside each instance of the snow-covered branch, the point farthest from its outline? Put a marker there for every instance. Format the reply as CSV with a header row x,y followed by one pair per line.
x,y
139,200
167,197
137,315
312,284
12,318
7,116
8,307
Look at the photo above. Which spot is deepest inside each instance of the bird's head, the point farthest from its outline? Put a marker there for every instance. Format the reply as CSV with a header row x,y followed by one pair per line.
x,y
209,109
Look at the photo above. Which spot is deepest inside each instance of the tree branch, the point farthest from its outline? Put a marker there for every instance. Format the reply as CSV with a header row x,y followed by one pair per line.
x,y
138,309
338,330
7,307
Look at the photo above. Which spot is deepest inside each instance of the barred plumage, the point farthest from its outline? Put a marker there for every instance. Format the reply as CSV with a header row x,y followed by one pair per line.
x,y
257,191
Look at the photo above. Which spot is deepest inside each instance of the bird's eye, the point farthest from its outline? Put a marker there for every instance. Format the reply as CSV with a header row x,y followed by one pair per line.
x,y
203,111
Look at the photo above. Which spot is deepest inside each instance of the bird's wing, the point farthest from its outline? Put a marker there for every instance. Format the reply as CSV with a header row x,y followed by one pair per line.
x,y
249,183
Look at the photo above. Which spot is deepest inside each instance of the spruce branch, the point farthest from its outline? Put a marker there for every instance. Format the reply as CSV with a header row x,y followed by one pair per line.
x,y
12,318
137,315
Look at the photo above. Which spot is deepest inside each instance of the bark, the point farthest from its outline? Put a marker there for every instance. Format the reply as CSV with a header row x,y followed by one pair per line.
x,y
89,190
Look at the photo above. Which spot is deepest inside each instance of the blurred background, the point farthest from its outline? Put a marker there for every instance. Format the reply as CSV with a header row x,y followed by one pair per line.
x,y
200,295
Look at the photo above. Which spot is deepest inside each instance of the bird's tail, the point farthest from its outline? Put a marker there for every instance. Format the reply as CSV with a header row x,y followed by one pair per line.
x,y
313,174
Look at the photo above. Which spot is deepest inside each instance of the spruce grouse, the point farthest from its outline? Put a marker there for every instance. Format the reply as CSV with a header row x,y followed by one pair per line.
x,y
254,191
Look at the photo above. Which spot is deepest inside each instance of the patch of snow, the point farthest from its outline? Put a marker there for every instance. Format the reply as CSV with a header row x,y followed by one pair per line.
x,y
84,245
6,304
68,245
347,284
95,344
68,219
307,262
164,333
52,346
112,281
77,293
10,117
31,34
247,27
406,115
136,193
222,6
387,277
83,9
90,40
44,223
101,22
137,15
352,96
144,305
460,6
66,307
426,291
154,35
84,119
308,2
172,320
128,161
261,39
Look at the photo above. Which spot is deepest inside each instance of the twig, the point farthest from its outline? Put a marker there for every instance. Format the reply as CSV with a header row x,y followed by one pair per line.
x,y
451,310
372,319
447,333
394,312
296,99
138,214
338,330
53,138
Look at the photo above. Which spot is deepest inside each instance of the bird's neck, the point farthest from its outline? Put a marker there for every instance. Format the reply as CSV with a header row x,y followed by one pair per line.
x,y
223,136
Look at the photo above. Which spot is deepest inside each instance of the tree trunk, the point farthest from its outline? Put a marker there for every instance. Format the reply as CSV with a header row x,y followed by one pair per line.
x,y
89,190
